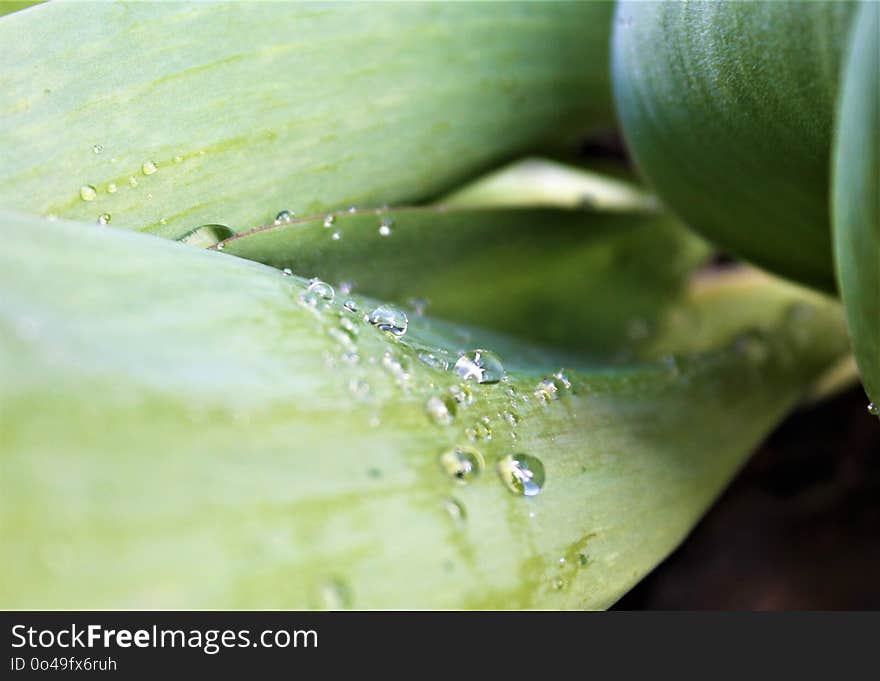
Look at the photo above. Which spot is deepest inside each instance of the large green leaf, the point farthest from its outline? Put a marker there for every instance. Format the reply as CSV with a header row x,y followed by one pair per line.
x,y
581,280
178,429
728,108
244,109
856,197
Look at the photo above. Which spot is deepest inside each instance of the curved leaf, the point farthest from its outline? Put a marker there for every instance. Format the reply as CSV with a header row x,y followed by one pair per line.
x,y
856,196
258,452
230,112
728,109
590,282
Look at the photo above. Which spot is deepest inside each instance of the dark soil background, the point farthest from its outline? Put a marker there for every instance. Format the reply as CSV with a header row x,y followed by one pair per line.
x,y
798,529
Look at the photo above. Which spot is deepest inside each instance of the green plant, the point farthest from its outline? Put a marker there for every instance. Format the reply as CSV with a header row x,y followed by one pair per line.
x,y
183,426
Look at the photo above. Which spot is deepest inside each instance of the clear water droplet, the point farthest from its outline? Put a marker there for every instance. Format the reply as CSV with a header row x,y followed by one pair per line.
x,y
287,272
318,292
462,464
332,594
433,360
455,509
553,387
336,236
558,584
510,418
98,148
330,220
111,188
148,167
283,216
205,236
88,193
873,409
441,409
522,474
104,218
350,305
463,395
482,366
385,227
389,319
352,209
132,181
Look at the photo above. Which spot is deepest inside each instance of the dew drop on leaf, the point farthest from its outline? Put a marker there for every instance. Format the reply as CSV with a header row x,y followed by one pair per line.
x,y
104,218
111,188
148,167
389,319
462,395
481,366
441,409
350,305
317,292
283,216
87,192
462,464
98,148
873,409
205,236
329,221
385,227
522,474
455,509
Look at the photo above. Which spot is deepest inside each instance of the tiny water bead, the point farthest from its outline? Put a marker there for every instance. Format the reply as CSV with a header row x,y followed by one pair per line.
x,y
389,319
329,221
480,430
462,464
522,474
350,305
98,148
385,227
111,188
873,409
462,395
482,366
433,360
148,167
205,236
132,181
441,409
178,159
287,272
283,216
104,218
336,236
318,291
88,193
553,387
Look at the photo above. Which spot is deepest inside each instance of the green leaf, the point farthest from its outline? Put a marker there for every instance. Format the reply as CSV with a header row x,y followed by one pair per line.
x,y
728,109
246,109
590,282
179,430
856,196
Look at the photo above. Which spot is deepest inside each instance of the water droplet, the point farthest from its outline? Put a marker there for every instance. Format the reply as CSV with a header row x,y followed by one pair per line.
x,y
873,409
433,360
87,192
350,305
455,509
385,227
390,319
332,594
178,159
104,218
205,236
336,236
111,188
287,272
396,366
553,387
462,395
510,418
132,181
330,220
98,148
283,216
349,327
317,292
479,431
462,463
441,409
481,366
148,168
561,562
522,474
352,209
558,584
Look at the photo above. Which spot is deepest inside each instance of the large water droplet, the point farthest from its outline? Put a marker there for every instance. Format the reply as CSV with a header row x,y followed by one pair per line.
x,y
88,193
389,319
481,366
148,167
206,236
462,464
318,292
522,474
283,216
441,409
